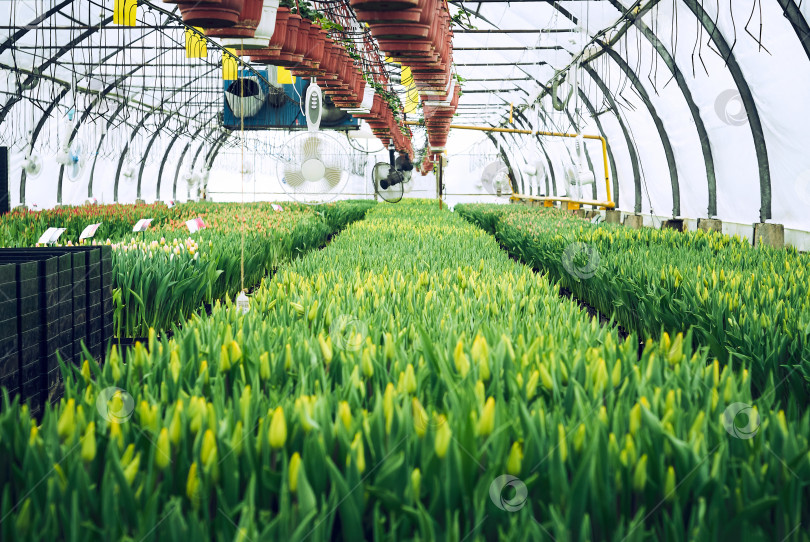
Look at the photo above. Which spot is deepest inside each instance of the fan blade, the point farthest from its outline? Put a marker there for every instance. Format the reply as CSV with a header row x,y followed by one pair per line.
x,y
293,176
333,175
311,148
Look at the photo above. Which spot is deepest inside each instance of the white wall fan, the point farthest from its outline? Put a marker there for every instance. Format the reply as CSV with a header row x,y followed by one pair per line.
x,y
535,173
495,179
32,163
313,165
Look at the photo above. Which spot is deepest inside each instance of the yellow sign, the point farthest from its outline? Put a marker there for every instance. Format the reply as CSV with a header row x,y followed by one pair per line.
x,y
285,77
125,12
230,68
196,45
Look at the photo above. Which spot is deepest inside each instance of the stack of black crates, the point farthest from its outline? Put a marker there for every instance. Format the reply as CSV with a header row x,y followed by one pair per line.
x,y
52,299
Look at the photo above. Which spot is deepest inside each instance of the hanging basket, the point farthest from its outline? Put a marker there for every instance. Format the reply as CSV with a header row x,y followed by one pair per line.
x,y
245,97
400,31
383,5
220,14
245,26
262,32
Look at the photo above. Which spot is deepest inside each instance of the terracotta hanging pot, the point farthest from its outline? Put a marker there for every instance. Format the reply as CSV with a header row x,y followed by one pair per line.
x,y
400,16
400,31
244,33
383,5
245,26
289,56
280,31
211,14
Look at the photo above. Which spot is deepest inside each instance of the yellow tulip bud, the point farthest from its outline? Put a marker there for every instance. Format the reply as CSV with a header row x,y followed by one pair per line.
x,y
443,436
388,406
579,438
67,424
669,485
416,483
208,450
244,403
616,377
313,311
193,485
33,435
224,359
89,443
288,357
545,377
562,445
175,427
487,422
603,417
278,429
480,356
237,439
461,360
295,466
345,414
366,364
86,374
264,366
420,418
326,348
515,461
116,435
410,379
640,474
131,470
174,365
635,418
163,450
359,452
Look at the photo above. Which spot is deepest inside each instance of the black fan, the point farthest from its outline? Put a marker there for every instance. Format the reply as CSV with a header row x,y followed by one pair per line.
x,y
388,182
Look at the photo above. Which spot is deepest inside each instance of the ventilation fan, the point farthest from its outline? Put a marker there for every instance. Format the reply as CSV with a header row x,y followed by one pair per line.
x,y
313,166
32,163
536,173
245,96
130,169
389,182
76,161
495,178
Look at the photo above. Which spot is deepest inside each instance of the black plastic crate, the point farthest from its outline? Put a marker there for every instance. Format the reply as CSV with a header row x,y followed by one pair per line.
x,y
31,338
9,327
8,291
8,274
30,372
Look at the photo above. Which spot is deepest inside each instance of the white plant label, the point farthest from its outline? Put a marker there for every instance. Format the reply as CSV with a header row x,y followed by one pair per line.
x,y
89,231
242,302
195,224
277,207
142,224
51,235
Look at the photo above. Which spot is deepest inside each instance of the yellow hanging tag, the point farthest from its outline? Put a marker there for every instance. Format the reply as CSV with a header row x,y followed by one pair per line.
x,y
230,68
285,77
196,46
412,94
125,12
511,110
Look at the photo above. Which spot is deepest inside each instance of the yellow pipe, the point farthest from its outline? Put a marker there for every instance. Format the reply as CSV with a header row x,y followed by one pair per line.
x,y
530,132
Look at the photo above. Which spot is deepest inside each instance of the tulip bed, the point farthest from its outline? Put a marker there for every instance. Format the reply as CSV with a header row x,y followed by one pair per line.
x,y
162,276
749,306
380,389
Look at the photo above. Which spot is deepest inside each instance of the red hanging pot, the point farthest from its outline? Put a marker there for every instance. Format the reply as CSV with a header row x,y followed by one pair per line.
x,y
383,5
220,14
400,16
289,56
280,32
245,26
400,31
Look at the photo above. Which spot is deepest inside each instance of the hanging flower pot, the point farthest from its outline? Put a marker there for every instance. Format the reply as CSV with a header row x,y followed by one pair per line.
x,y
400,31
400,16
245,34
383,5
246,24
220,14
289,55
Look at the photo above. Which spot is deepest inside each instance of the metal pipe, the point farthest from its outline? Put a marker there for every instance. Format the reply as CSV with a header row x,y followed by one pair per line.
x,y
538,133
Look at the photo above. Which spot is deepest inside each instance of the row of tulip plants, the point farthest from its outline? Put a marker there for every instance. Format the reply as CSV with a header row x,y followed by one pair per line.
x,y
164,275
409,381
749,306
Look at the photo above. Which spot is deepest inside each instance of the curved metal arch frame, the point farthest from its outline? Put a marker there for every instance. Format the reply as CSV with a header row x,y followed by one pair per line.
x,y
659,125
46,114
185,150
703,134
799,23
747,98
552,186
98,147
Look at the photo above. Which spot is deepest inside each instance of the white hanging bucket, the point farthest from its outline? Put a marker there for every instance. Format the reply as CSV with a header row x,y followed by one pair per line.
x,y
245,96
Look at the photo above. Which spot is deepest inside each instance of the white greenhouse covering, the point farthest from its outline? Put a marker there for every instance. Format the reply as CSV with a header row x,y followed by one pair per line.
x,y
704,105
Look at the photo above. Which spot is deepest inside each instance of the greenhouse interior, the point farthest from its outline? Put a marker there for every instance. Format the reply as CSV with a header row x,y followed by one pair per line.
x,y
405,270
